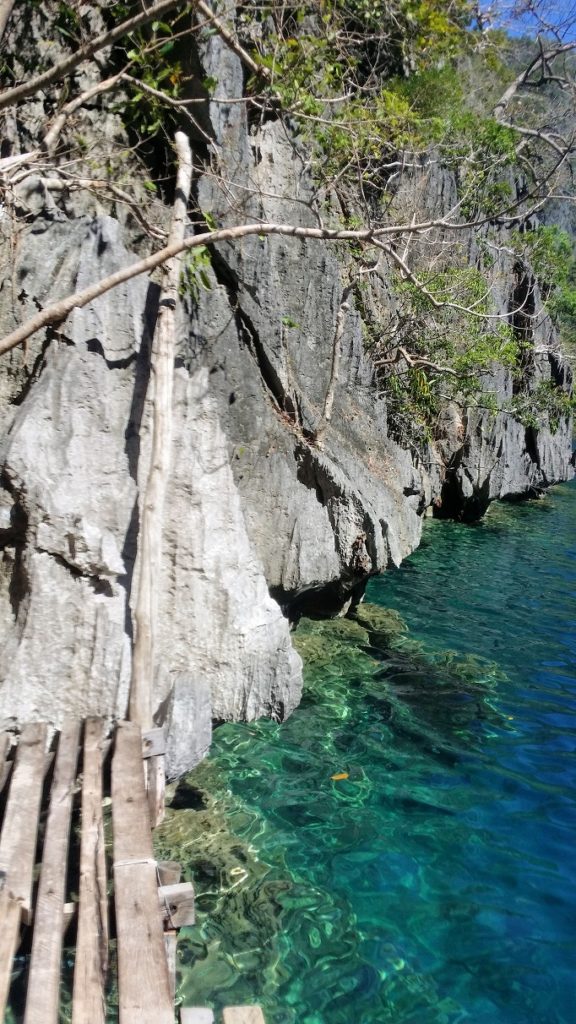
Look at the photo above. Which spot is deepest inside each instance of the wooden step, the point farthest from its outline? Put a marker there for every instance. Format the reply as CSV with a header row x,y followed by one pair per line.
x,y
243,1015
43,997
196,1015
91,963
5,764
143,981
18,847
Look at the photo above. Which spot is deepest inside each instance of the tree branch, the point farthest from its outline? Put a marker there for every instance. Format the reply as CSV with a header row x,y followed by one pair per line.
x,y
6,8
343,310
542,58
232,42
86,50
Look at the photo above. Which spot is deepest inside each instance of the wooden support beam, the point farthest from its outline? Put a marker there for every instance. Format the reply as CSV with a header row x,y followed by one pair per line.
x,y
169,872
10,913
153,742
43,996
243,1015
92,940
143,982
156,772
196,1015
170,944
20,828
177,904
5,764
69,915
153,751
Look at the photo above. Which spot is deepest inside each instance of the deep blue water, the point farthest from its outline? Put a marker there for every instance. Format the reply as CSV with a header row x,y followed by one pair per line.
x,y
436,884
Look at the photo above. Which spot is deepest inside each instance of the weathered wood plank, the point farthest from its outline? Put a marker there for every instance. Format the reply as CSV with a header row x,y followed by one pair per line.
x,y
196,1015
177,904
153,742
5,744
243,1015
169,872
10,912
20,828
170,945
143,982
92,940
156,770
43,994
130,819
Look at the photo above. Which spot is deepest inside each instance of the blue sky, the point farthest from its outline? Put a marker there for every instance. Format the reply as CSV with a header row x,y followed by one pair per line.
x,y
559,14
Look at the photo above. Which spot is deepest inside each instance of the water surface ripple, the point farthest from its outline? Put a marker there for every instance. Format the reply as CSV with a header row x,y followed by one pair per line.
x,y
435,884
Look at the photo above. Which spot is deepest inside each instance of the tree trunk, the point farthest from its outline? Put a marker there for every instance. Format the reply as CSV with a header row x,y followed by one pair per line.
x,y
152,508
6,8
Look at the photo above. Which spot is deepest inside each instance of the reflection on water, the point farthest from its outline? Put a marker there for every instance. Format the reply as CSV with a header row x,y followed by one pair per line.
x,y
434,882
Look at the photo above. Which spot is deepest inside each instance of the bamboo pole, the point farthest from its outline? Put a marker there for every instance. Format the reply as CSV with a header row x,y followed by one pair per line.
x,y
152,509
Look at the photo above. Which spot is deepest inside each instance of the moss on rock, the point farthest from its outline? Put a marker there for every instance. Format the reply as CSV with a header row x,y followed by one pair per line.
x,y
383,625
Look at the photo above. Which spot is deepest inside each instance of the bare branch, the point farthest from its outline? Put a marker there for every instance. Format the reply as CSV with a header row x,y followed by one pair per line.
x,y
522,79
6,8
50,140
86,50
343,310
231,41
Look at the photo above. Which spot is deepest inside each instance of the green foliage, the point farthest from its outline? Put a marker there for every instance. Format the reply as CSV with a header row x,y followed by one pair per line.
x,y
67,21
547,402
147,113
195,273
552,255
408,97
452,350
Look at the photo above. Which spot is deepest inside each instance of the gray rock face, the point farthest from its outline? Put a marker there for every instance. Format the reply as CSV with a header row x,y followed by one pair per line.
x,y
71,459
259,513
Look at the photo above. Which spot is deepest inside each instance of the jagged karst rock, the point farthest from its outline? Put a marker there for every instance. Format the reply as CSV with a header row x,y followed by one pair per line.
x,y
72,456
257,505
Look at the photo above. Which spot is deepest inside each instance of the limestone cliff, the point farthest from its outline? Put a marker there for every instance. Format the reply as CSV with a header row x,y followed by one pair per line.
x,y
261,519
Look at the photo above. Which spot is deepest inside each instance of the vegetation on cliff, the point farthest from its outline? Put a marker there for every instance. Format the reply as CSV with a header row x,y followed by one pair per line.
x,y
434,139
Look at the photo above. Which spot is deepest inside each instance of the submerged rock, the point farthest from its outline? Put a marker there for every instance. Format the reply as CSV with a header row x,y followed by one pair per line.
x,y
382,624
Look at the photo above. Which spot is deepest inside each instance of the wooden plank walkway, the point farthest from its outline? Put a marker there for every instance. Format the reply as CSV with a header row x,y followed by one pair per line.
x,y
91,965
63,846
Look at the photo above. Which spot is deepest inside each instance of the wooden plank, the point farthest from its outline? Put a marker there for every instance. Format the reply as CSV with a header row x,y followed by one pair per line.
x,y
156,772
20,829
43,996
5,770
196,1015
243,1015
153,742
143,982
177,904
170,944
91,963
5,744
10,913
69,915
169,872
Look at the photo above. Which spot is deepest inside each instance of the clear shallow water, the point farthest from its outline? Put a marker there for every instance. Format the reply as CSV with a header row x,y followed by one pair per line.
x,y
437,883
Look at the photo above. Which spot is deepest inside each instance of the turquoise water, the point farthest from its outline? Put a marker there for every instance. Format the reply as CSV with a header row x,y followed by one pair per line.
x,y
435,884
